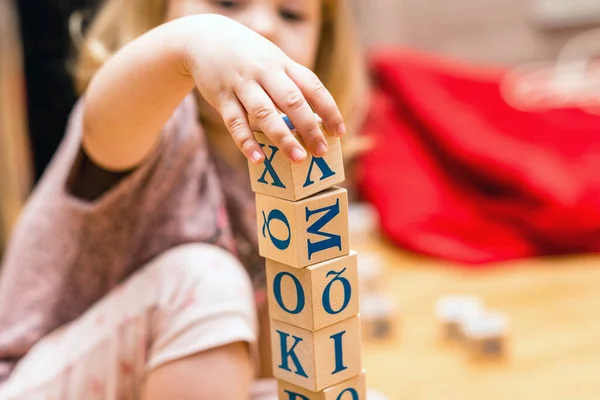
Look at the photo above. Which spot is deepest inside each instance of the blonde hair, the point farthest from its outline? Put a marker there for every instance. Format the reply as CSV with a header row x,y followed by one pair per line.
x,y
339,62
15,159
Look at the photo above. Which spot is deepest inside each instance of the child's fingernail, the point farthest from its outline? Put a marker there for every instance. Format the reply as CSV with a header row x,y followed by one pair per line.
x,y
256,156
341,129
298,154
321,150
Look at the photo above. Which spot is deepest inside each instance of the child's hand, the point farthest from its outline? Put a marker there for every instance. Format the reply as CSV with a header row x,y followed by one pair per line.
x,y
242,74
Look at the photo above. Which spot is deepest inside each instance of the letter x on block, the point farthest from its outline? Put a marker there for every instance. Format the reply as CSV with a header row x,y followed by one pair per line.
x,y
304,232
278,177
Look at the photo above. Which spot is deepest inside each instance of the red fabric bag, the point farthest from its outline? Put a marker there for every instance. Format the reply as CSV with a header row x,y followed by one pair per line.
x,y
458,173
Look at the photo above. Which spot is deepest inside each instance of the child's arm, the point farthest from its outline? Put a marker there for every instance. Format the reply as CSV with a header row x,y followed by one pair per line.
x,y
226,373
238,72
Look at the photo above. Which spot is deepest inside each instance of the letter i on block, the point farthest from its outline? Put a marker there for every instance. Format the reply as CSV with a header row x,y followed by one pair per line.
x,y
316,360
278,177
352,389
304,232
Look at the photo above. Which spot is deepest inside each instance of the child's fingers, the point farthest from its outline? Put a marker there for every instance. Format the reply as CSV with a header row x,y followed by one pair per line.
x,y
319,97
260,106
234,116
288,97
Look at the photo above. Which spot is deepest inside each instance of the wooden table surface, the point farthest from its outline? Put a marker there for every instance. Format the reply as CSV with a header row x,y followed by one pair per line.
x,y
554,342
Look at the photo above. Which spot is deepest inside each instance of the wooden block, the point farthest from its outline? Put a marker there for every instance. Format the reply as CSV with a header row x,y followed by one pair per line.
x,y
363,223
486,348
305,232
277,177
370,272
316,360
379,317
451,310
352,389
485,335
316,296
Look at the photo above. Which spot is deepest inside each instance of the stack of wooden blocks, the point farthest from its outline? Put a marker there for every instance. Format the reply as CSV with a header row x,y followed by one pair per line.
x,y
312,276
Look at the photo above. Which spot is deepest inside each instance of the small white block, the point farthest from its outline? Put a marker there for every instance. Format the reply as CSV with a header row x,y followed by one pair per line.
x,y
484,325
363,218
485,335
453,309
379,316
377,306
370,271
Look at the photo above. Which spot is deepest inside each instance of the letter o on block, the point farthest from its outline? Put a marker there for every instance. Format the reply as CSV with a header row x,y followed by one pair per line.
x,y
352,389
304,232
313,297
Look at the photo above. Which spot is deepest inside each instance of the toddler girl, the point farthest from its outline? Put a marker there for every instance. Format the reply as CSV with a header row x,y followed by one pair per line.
x,y
128,274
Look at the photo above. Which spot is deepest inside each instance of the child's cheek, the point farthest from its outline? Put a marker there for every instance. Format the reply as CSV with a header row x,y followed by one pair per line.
x,y
302,46
182,8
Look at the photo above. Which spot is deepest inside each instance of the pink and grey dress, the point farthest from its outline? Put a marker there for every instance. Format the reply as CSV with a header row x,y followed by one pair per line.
x,y
66,254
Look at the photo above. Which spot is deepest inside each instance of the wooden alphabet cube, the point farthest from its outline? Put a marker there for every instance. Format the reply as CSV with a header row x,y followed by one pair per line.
x,y
316,360
316,296
370,272
278,177
304,232
378,316
485,335
451,310
352,389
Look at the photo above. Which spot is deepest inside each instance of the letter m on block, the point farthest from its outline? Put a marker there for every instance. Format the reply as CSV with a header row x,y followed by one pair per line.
x,y
330,239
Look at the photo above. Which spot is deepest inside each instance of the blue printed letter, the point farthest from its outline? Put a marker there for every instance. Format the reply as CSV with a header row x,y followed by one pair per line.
x,y
285,354
327,172
269,168
295,396
327,292
352,392
339,353
276,214
332,239
299,293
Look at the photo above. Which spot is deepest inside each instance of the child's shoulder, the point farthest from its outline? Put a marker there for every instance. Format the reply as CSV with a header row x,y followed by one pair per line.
x,y
182,148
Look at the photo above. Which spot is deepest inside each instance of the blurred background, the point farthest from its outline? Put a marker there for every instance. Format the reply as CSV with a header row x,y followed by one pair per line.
x,y
498,199
498,31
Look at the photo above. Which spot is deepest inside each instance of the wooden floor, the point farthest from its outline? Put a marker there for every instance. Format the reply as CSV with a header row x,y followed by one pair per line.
x,y
554,345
